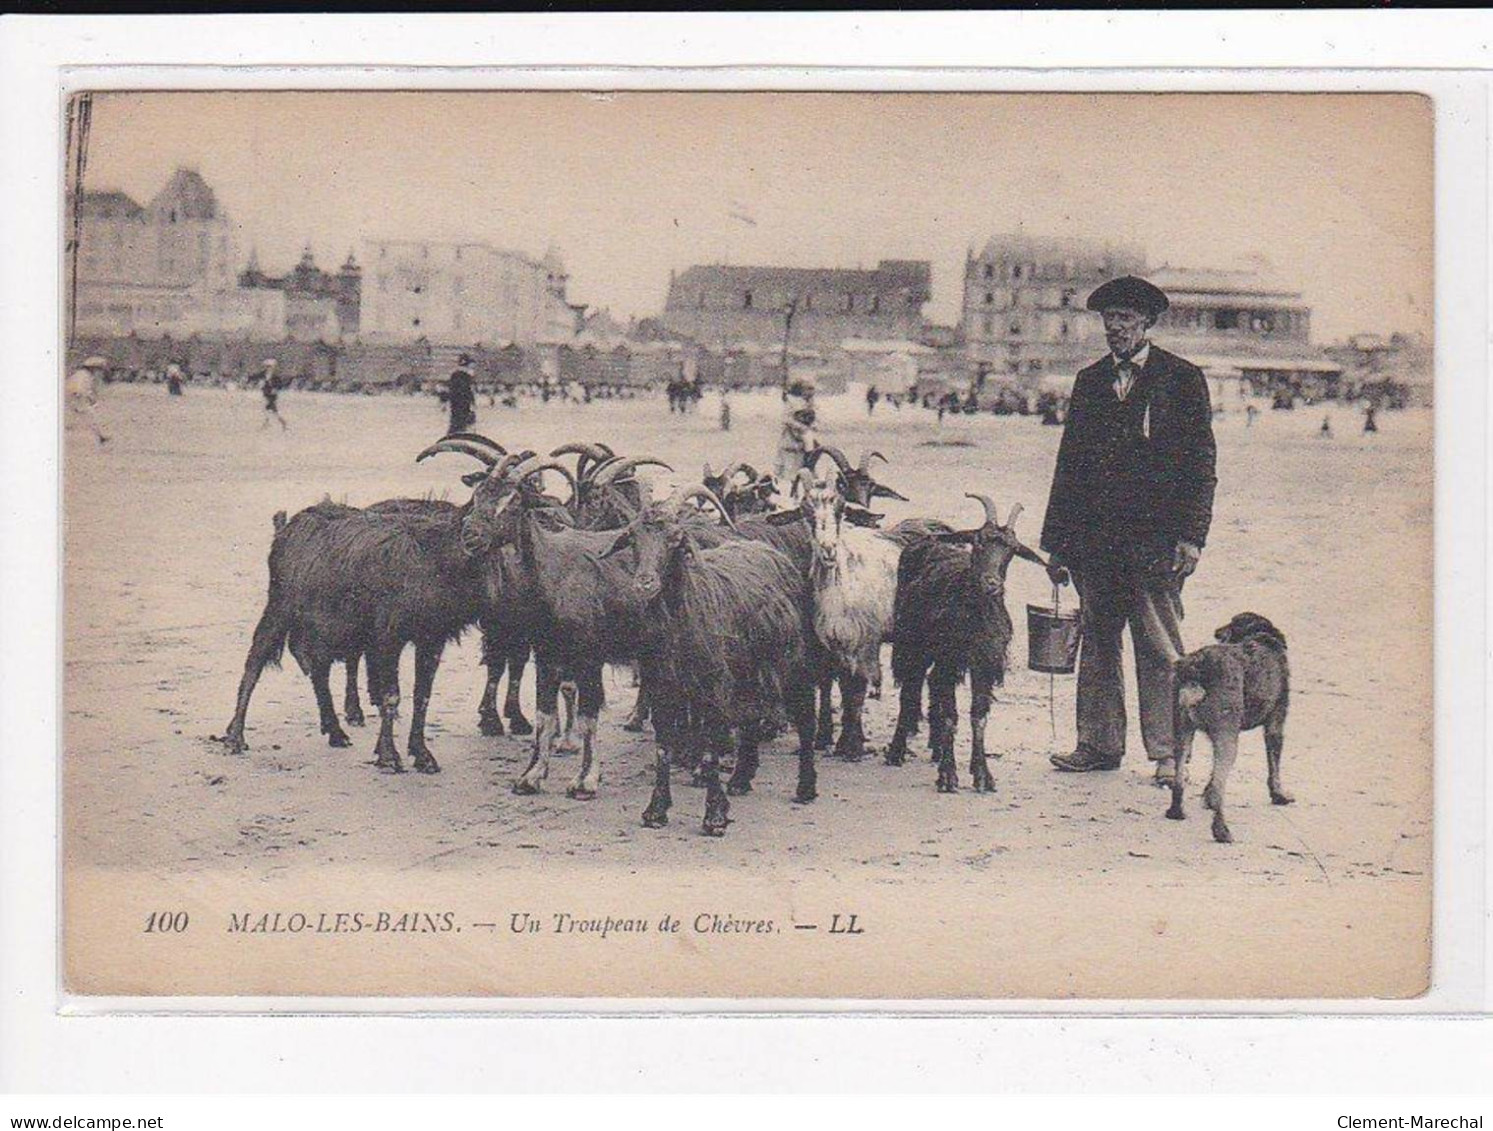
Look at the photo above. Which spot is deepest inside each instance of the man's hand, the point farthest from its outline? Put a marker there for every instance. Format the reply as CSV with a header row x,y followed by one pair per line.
x,y
1057,572
1185,559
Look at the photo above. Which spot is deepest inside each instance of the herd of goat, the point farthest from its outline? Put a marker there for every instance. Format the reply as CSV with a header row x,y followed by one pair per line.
x,y
740,614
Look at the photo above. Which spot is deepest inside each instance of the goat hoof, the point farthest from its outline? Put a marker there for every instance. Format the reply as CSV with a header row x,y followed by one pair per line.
x,y
337,739
232,743
426,764
520,726
655,818
985,784
634,725
525,788
580,793
490,725
1222,835
354,718
1175,813
1280,797
388,766
947,784
707,829
806,795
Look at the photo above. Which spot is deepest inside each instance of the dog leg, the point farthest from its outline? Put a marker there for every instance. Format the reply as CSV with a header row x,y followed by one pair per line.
x,y
1182,749
1225,750
1275,741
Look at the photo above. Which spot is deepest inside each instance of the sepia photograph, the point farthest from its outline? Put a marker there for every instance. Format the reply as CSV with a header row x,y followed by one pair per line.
x,y
731,545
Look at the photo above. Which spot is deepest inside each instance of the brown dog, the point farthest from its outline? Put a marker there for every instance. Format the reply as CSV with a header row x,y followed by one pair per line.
x,y
1238,684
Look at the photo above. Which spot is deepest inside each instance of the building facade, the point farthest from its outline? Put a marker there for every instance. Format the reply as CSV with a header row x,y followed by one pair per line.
x,y
725,307
463,293
319,305
1023,312
167,267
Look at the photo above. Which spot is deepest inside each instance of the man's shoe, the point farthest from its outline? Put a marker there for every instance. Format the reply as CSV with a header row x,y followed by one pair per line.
x,y
1085,759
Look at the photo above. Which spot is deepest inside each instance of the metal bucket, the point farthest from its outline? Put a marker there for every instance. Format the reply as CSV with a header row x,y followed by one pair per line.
x,y
1052,636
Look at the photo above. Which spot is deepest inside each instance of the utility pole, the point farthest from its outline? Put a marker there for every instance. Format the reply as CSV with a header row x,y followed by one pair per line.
x,y
79,119
788,312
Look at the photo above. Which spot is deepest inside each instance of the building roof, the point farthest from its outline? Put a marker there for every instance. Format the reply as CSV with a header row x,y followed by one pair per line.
x,y
1047,248
1214,284
109,205
915,275
188,195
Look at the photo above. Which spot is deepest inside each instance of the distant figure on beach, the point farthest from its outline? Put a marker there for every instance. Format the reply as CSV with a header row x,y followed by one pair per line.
x,y
173,380
725,410
1250,412
1326,430
82,396
459,397
269,386
1370,419
797,440
872,396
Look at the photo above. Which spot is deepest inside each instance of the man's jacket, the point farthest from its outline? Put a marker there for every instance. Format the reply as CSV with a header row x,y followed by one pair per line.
x,y
1136,476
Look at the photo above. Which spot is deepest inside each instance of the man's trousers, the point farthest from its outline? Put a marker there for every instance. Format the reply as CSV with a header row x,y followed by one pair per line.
x,y
1116,594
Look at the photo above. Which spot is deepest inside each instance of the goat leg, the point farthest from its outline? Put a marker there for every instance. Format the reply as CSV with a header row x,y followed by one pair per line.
x,y
518,659
656,816
979,711
352,708
824,736
717,807
547,705
321,673
740,782
427,659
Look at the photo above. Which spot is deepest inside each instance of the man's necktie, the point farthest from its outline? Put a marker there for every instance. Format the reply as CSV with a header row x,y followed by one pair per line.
x,y
1124,375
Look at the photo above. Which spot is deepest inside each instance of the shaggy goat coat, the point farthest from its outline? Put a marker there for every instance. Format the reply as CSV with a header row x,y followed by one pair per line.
x,y
942,612
728,632
854,600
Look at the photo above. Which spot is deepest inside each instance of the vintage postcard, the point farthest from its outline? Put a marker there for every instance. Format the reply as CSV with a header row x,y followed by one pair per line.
x,y
744,546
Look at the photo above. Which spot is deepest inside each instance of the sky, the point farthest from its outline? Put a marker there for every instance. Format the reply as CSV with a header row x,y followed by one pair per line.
x,y
1334,191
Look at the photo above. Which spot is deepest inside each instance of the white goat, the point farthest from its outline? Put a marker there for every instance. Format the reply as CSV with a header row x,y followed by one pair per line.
x,y
854,580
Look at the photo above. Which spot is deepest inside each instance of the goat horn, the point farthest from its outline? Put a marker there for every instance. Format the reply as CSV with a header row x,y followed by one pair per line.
x,y
505,464
984,501
867,457
700,491
734,469
621,467
462,447
835,454
477,438
1013,516
591,454
536,464
706,474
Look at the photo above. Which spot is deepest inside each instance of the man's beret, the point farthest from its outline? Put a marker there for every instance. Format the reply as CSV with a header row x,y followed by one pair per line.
x,y
1131,293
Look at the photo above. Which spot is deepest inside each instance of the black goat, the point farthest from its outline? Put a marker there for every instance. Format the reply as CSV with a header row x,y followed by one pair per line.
x,y
951,617
726,645
586,610
752,495
367,583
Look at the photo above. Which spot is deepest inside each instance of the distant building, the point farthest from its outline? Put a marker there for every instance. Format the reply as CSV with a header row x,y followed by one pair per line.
x,y
725,307
464,293
319,305
1024,303
1025,316
157,269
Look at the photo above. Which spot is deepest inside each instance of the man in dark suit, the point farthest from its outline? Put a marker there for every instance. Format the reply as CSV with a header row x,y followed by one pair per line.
x,y
1131,502
460,397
